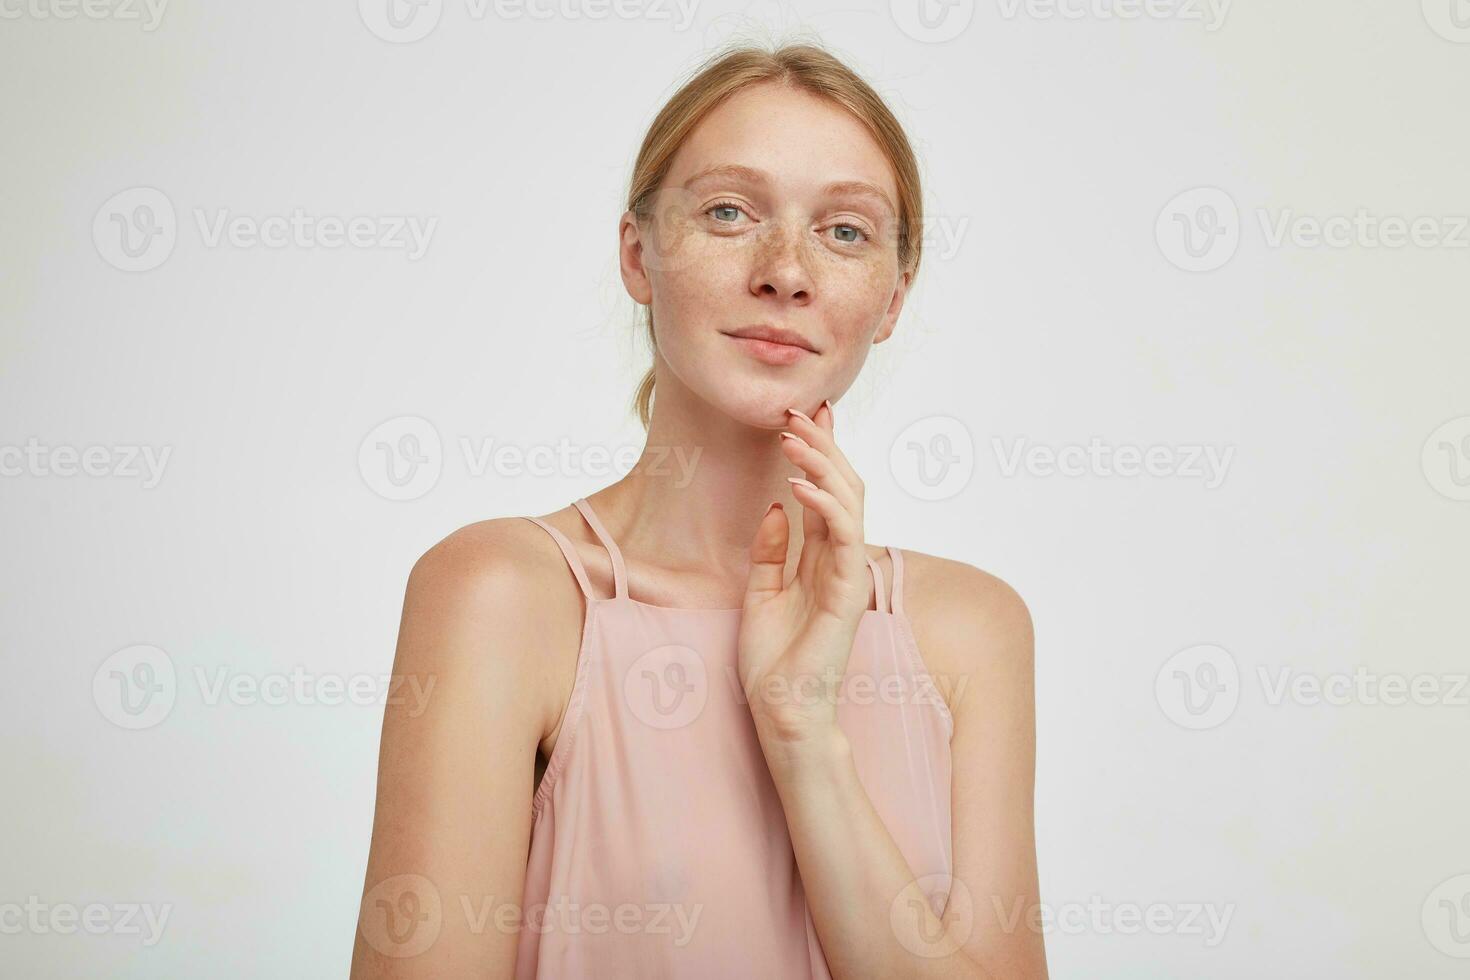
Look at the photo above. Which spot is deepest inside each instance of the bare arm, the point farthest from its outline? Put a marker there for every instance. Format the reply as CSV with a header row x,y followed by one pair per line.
x,y
451,829
869,912
981,632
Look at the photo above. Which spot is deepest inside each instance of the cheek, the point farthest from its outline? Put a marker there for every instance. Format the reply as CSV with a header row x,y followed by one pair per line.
x,y
862,283
684,263
854,289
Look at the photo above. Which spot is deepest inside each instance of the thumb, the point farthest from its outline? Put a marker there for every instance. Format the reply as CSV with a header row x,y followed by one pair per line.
x,y
768,555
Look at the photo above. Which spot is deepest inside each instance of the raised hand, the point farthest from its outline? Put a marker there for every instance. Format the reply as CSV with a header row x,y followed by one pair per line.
x,y
795,640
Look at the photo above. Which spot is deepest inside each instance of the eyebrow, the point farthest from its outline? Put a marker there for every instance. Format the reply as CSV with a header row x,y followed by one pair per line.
x,y
735,171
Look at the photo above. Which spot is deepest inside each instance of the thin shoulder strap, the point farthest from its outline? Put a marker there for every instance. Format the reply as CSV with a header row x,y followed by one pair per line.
x,y
568,551
879,600
896,554
620,574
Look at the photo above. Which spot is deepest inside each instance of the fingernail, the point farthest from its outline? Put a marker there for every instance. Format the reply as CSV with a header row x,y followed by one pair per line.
x,y
801,416
828,403
793,435
775,505
805,483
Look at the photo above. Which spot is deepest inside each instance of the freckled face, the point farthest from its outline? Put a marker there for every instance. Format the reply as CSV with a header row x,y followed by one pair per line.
x,y
778,210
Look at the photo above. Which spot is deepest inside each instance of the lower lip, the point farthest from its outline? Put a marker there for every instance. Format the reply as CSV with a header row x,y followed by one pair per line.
x,y
771,353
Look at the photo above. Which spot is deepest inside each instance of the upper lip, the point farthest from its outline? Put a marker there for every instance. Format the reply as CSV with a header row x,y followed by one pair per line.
x,y
775,335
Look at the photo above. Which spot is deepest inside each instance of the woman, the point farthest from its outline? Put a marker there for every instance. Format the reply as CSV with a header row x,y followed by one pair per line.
x,y
682,728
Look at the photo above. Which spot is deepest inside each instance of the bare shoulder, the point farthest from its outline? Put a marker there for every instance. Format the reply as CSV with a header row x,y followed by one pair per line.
x,y
493,604
482,621
488,562
967,621
957,592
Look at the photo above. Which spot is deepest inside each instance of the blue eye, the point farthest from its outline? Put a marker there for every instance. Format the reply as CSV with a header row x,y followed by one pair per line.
x,y
854,230
726,206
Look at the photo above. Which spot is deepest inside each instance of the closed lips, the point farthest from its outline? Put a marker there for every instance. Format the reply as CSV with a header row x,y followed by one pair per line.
x,y
773,335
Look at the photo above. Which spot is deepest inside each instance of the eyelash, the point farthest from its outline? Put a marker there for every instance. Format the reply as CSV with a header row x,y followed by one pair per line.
x,y
731,204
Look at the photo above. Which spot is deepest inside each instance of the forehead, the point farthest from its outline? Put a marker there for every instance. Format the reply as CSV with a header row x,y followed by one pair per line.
x,y
801,141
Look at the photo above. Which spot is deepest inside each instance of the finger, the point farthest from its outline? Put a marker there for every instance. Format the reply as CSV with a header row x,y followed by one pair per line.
x,y
768,555
839,525
815,542
820,469
822,439
813,534
827,420
826,522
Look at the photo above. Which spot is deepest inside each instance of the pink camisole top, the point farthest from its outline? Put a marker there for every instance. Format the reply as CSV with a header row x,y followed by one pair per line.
x,y
659,848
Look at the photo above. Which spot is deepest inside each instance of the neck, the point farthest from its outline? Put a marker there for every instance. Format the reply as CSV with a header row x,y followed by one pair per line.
x,y
701,486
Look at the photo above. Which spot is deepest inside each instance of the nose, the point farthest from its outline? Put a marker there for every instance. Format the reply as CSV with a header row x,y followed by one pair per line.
x,y
781,269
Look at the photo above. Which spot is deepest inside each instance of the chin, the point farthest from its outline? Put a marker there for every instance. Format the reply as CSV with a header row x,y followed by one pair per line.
x,y
764,406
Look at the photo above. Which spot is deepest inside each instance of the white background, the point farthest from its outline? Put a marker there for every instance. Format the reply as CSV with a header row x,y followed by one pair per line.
x,y
1047,310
